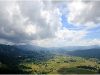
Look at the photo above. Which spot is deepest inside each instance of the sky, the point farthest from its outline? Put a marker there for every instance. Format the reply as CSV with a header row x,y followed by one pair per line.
x,y
50,23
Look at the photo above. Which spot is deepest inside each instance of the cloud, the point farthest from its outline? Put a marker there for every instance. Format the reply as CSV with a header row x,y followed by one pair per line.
x,y
64,37
71,34
88,42
84,13
23,21
39,22
45,21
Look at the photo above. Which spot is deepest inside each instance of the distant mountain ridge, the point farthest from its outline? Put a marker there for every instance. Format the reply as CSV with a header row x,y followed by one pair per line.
x,y
66,48
12,55
83,51
88,53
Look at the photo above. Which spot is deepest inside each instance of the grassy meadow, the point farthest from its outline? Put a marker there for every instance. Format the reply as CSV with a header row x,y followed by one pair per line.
x,y
63,64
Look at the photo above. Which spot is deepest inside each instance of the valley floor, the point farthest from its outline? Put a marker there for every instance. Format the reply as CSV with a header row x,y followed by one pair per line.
x,y
63,64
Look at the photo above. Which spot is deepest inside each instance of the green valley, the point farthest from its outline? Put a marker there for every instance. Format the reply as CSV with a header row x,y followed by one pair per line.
x,y
19,60
63,64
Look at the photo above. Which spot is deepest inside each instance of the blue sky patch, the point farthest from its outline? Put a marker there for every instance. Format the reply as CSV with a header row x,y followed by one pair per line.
x,y
94,29
69,26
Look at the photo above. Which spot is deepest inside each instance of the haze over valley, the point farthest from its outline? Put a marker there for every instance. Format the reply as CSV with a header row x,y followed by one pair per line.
x,y
50,37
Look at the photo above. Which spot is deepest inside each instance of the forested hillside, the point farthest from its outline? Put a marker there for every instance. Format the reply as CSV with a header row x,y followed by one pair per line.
x,y
11,57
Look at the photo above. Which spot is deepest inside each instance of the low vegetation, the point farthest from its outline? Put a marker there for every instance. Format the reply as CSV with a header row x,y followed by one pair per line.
x,y
16,61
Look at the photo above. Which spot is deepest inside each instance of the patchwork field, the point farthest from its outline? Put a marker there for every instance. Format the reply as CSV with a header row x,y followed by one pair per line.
x,y
64,64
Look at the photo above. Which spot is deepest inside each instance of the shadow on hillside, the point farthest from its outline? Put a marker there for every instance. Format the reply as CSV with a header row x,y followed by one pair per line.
x,y
10,65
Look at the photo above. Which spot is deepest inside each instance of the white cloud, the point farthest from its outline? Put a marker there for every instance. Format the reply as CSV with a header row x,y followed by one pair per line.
x,y
39,22
64,37
30,29
23,21
71,34
84,13
94,42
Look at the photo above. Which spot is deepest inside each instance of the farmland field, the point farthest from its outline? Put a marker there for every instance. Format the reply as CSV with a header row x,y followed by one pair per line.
x,y
63,64
14,60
